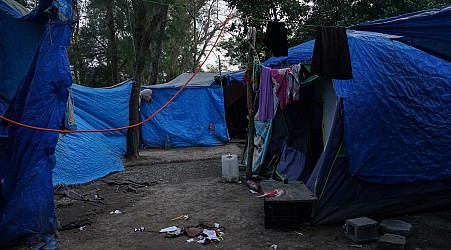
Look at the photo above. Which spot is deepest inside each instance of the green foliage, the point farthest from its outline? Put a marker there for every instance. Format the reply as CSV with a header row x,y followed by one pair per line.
x,y
90,49
302,16
181,48
260,12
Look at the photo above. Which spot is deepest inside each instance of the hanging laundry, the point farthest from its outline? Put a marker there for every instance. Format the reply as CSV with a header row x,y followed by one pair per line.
x,y
294,82
266,98
331,53
305,73
276,38
256,71
279,77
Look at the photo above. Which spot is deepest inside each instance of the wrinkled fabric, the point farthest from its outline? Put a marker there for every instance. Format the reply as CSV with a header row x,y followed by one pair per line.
x,y
280,79
331,56
266,98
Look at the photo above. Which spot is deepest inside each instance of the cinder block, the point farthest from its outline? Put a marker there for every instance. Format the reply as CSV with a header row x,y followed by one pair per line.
x,y
361,229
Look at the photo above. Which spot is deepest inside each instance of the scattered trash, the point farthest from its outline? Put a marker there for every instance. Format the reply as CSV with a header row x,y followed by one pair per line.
x,y
205,234
299,233
357,246
253,185
168,229
82,228
210,234
117,211
220,234
272,193
252,191
176,233
139,229
181,217
193,231
274,246
132,186
92,196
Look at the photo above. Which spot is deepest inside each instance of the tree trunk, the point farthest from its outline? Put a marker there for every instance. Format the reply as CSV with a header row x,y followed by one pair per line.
x,y
112,43
75,43
155,54
194,37
141,43
250,108
141,40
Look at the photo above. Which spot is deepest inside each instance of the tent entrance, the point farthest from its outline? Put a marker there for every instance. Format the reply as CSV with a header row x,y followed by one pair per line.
x,y
235,104
300,132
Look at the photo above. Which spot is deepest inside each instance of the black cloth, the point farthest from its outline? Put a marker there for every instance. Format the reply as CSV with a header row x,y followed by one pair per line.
x,y
276,38
331,55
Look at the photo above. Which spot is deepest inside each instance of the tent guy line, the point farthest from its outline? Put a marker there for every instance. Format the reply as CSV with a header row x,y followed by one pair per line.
x,y
142,122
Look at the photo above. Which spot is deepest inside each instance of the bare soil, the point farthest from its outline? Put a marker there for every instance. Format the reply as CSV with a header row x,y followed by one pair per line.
x,y
188,181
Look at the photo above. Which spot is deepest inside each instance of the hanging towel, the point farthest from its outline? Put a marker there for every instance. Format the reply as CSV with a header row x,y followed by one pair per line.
x,y
266,99
331,56
276,38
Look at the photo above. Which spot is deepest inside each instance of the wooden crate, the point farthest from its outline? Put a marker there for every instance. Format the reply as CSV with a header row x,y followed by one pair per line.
x,y
289,210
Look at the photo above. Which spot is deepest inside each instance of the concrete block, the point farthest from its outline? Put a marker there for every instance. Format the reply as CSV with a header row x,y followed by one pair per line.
x,y
392,242
398,227
361,229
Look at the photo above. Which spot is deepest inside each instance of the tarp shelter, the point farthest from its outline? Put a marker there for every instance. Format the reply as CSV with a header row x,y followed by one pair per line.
x,y
387,149
34,89
83,157
195,118
34,81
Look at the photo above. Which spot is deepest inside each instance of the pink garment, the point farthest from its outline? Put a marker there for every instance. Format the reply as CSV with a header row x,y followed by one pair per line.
x,y
280,78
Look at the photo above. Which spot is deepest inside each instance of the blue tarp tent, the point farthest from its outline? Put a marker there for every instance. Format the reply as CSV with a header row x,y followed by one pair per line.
x,y
83,157
427,30
35,78
387,147
195,118
34,89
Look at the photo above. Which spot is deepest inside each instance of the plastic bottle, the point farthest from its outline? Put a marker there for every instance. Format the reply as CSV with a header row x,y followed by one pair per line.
x,y
167,142
230,169
253,185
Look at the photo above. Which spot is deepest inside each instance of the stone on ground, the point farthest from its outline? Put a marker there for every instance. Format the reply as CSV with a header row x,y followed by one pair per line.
x,y
398,227
392,242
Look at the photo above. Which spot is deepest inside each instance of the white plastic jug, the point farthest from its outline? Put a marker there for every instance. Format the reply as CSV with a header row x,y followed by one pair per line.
x,y
230,170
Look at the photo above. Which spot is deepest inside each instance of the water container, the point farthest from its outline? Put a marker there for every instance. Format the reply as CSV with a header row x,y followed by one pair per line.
x,y
230,170
167,142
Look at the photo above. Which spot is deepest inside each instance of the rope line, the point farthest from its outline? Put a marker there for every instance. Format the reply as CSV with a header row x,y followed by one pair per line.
x,y
137,124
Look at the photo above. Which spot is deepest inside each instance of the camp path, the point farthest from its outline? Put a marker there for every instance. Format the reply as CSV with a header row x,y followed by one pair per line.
x,y
189,183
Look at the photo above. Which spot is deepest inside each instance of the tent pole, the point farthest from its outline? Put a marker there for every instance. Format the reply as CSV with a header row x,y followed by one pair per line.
x,y
250,107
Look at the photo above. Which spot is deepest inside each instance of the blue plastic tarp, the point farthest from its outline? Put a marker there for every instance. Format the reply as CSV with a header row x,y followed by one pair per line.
x,y
83,157
397,122
196,117
428,30
296,54
27,155
19,41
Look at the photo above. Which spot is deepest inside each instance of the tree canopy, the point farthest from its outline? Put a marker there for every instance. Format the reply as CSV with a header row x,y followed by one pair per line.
x,y
302,16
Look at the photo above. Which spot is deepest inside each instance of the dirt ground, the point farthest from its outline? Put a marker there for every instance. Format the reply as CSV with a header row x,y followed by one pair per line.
x,y
188,181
